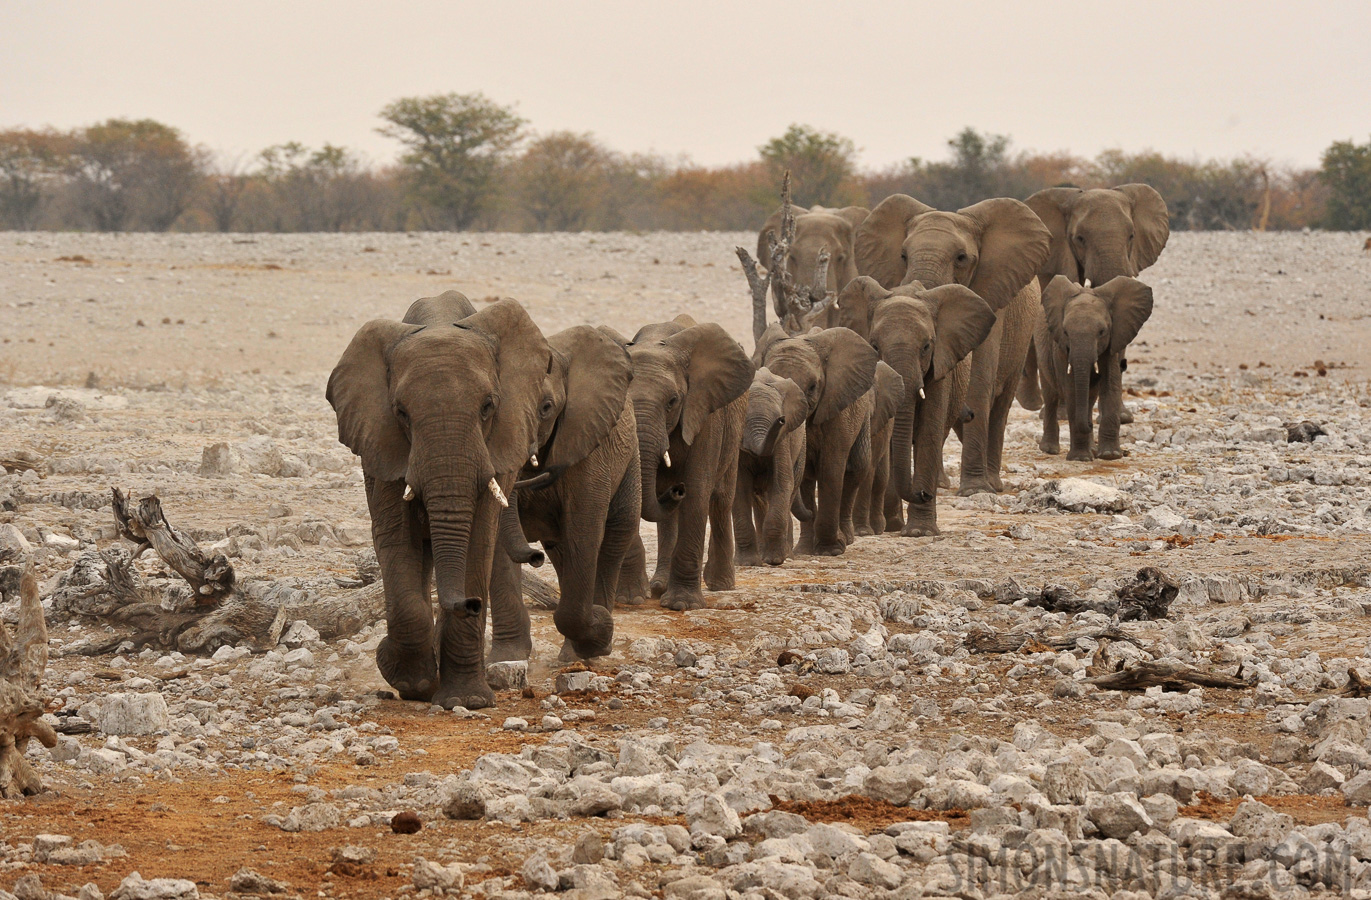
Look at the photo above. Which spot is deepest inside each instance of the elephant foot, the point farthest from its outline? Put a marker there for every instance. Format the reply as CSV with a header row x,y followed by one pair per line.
x,y
572,650
412,671
864,531
722,582
682,599
836,548
894,524
973,486
657,586
510,649
920,529
997,483
775,559
747,558
944,482
1125,416
1051,448
1080,456
1109,453
467,688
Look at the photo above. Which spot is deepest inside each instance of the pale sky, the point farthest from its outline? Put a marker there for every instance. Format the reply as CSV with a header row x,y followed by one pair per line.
x,y
708,79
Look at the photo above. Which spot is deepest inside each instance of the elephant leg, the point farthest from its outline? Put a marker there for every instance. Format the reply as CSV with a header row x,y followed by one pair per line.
x,y
405,655
719,575
999,419
462,632
587,627
509,621
621,531
862,504
666,548
929,428
744,531
633,588
985,364
777,524
832,468
1111,408
876,490
805,547
1051,442
682,589
1125,414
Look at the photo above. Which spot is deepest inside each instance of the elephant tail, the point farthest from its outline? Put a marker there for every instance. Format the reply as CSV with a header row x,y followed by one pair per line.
x,y
1030,395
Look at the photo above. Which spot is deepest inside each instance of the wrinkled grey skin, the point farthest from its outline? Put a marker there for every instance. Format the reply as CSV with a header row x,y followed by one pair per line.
x,y
1088,331
835,369
588,514
995,248
1097,236
816,229
868,511
770,465
687,394
925,336
442,402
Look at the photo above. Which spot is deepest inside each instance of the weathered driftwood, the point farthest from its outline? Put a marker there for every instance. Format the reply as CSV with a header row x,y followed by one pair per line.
x,y
1013,642
147,527
1168,674
797,310
1148,596
23,661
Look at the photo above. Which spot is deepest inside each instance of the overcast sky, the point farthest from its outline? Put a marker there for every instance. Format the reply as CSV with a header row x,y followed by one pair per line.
x,y
711,80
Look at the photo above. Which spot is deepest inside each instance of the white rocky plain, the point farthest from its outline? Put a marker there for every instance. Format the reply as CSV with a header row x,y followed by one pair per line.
x,y
660,770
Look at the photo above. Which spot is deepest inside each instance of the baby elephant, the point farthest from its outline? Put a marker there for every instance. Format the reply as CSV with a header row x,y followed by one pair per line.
x,y
1088,329
771,462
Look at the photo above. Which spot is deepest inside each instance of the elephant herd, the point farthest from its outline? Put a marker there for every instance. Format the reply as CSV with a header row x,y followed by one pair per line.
x,y
478,434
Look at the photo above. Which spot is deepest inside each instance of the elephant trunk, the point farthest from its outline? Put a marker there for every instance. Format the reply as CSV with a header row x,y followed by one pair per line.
x,y
450,501
1108,262
931,269
1082,369
760,434
669,499
650,454
512,537
901,450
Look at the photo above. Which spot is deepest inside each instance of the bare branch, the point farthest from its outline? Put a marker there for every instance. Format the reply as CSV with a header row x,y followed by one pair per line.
x,y
759,286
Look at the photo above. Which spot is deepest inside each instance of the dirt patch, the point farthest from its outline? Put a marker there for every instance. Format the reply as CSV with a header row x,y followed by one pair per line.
x,y
1305,809
868,815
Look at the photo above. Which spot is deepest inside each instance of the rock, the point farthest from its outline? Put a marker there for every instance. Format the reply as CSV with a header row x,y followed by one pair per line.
x,y
684,659
218,461
1081,495
589,849
870,869
1357,789
1163,518
586,795
775,824
312,817
406,822
298,634
1118,815
514,723
1323,777
568,682
894,784
124,713
833,661
259,455
887,714
538,873
710,814
250,881
436,878
465,801
1065,783
507,676
694,887
135,887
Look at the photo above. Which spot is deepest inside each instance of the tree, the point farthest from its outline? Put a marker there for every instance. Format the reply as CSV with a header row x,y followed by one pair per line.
x,y
314,190
821,165
137,172
29,161
1346,169
560,180
223,192
455,144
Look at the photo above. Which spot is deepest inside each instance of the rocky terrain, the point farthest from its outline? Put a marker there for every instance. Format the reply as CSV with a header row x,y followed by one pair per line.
x,y
917,718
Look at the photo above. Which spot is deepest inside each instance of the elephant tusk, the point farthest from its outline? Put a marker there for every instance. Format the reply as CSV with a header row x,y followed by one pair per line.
x,y
1087,284
409,493
666,458
921,393
499,494
533,458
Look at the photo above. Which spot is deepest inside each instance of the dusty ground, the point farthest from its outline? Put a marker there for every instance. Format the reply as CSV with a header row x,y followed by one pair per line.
x,y
166,344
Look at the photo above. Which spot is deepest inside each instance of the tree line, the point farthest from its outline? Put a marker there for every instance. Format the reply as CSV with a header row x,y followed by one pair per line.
x,y
469,163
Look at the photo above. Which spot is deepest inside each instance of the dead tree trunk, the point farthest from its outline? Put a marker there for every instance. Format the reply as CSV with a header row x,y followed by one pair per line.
x,y
23,661
1169,674
797,310
148,528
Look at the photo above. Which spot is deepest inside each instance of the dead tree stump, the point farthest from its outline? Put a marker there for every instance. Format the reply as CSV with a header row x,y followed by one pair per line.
x,y
23,661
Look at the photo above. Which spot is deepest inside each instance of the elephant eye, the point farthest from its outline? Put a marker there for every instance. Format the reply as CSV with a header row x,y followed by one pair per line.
x,y
672,401
961,259
1080,239
487,408
402,414
546,409
928,345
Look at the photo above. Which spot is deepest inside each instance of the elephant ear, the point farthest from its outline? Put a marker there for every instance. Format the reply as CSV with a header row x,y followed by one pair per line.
x,y
523,357
961,321
1014,244
771,229
1052,206
849,370
717,373
1058,293
857,303
613,335
359,392
597,378
889,393
1151,223
855,215
880,238
1130,304
774,332
447,307
794,406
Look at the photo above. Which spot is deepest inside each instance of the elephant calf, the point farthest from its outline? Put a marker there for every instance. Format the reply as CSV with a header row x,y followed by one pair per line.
x,y
1088,330
770,465
868,512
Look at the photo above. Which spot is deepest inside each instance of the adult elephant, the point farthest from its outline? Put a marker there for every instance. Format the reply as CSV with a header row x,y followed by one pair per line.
x,y
442,409
1097,235
925,336
816,229
579,498
689,381
995,248
771,463
835,370
868,512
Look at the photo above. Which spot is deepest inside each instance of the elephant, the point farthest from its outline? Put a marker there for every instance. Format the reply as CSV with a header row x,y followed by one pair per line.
x,y
1097,235
689,382
1088,329
816,229
442,408
868,512
579,497
835,369
995,248
925,336
771,462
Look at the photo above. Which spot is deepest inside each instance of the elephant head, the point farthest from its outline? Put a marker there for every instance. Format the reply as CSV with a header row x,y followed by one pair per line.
x,y
922,334
448,404
682,373
831,367
1101,234
994,247
1088,323
583,395
816,229
775,407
